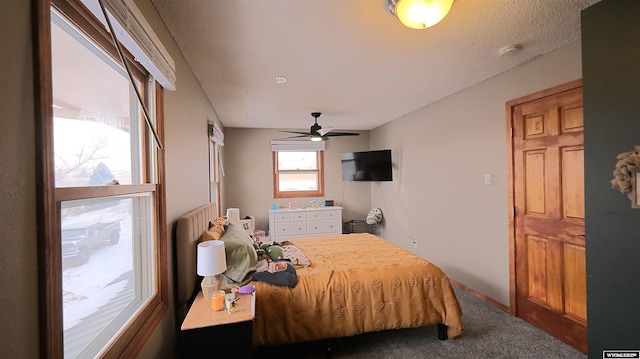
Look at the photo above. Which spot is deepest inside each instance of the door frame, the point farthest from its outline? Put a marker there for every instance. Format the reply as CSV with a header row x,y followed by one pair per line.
x,y
509,107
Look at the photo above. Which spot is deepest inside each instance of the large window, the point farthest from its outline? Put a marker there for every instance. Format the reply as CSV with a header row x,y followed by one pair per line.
x,y
105,258
298,174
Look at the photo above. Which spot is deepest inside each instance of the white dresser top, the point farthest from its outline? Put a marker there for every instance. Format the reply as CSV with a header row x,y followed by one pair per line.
x,y
305,209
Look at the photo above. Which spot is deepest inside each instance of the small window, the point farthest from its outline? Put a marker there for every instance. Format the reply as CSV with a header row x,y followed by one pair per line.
x,y
298,174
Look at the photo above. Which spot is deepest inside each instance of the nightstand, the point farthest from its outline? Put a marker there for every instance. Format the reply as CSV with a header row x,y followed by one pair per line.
x,y
216,333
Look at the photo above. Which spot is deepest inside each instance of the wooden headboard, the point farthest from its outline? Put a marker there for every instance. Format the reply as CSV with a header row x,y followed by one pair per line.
x,y
189,228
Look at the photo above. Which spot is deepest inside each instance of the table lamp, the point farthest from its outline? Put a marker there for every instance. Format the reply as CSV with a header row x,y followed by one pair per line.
x,y
210,263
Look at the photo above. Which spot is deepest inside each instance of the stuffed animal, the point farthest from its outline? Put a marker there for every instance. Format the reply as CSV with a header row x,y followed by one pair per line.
x,y
374,216
272,250
275,252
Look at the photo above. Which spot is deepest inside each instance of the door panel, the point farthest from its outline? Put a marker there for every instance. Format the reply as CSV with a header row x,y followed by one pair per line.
x,y
573,183
575,267
548,221
534,181
537,269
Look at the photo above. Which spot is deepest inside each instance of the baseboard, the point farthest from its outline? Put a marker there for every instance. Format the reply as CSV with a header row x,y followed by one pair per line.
x,y
481,296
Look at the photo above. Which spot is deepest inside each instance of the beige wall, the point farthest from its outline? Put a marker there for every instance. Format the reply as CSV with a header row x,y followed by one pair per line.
x,y
249,175
18,266
442,152
187,114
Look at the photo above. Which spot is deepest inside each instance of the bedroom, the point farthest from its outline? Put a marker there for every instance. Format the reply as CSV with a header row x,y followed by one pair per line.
x,y
487,100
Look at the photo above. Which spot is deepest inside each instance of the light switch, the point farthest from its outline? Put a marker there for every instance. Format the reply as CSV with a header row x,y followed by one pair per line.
x,y
488,180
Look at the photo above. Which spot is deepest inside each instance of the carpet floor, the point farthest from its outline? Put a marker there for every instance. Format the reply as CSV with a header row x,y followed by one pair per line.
x,y
489,333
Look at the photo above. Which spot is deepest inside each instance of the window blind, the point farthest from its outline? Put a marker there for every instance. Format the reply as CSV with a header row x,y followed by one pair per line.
x,y
135,33
297,146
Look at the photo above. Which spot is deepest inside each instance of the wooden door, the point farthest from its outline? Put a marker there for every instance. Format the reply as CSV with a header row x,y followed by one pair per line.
x,y
548,252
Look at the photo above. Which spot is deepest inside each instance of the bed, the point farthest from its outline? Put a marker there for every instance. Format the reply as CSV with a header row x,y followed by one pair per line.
x,y
356,283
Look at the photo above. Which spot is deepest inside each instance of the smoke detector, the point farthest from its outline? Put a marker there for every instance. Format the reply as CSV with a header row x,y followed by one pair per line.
x,y
510,49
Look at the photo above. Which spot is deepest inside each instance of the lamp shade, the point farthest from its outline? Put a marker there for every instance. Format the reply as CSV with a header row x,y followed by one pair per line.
x,y
211,258
420,14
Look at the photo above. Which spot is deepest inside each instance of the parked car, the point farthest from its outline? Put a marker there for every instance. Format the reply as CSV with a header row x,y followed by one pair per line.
x,y
77,242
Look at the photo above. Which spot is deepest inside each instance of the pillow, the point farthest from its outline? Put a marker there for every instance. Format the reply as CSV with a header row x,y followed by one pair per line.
x,y
218,221
212,233
215,231
240,254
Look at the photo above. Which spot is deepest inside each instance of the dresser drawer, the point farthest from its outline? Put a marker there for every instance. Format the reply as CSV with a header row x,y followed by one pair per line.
x,y
315,216
333,214
282,217
325,227
299,216
290,229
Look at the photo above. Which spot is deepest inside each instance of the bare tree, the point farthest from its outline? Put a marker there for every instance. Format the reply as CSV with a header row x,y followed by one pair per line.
x,y
71,168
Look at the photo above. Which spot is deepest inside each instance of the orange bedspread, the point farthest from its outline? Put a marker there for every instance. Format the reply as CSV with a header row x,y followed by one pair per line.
x,y
356,283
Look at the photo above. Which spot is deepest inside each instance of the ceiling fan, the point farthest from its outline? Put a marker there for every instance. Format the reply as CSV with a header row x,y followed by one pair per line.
x,y
317,133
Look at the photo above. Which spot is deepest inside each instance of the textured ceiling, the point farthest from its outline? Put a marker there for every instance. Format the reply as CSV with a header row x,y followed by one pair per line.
x,y
351,59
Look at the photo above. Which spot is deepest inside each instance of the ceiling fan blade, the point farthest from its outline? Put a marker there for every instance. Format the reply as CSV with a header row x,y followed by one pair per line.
x,y
298,132
299,136
323,131
342,134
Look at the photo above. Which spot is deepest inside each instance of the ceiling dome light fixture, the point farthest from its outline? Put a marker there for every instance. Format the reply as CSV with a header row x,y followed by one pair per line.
x,y
419,14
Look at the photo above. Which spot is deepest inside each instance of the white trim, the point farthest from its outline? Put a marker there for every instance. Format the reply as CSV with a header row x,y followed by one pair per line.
x,y
216,134
297,146
137,36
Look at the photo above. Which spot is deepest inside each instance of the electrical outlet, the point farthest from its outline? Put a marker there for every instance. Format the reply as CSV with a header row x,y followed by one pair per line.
x,y
415,244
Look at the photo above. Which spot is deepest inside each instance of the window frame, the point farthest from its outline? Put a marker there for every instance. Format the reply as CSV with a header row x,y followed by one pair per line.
x,y
216,168
298,194
48,197
214,173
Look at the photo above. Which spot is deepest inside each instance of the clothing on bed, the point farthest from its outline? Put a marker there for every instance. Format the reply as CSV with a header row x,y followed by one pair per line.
x,y
281,273
294,255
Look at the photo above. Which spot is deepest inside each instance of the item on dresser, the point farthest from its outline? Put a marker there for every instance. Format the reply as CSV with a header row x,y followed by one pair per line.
x,y
287,224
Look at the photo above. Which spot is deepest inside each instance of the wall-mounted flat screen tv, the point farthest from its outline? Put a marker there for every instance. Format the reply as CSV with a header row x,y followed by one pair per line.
x,y
367,166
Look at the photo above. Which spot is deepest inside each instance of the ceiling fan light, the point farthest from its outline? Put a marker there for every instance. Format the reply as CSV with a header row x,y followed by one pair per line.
x,y
316,138
420,14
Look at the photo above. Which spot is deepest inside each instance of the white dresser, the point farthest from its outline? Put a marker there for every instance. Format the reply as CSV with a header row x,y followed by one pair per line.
x,y
285,224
